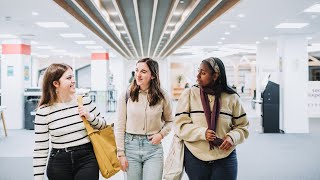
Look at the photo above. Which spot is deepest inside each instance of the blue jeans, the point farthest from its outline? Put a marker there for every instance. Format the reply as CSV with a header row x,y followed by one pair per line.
x,y
78,164
145,159
221,169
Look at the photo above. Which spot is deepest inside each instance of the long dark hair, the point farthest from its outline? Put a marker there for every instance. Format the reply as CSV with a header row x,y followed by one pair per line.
x,y
52,73
220,85
155,94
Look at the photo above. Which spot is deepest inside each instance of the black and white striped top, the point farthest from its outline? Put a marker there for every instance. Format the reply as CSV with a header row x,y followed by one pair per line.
x,y
64,127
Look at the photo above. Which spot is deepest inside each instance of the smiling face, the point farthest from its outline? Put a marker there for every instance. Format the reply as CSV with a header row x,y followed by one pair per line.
x,y
206,76
143,75
66,84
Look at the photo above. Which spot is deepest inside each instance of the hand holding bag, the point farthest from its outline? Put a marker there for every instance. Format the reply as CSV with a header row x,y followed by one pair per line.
x,y
173,167
104,146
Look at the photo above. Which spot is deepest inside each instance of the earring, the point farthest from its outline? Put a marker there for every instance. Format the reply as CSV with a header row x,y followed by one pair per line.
x,y
57,91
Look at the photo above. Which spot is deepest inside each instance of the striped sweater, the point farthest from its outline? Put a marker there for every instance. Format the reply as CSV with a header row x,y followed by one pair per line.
x,y
64,127
190,123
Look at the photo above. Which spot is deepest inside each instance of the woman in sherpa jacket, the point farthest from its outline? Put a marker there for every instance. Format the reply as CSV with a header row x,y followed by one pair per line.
x,y
211,121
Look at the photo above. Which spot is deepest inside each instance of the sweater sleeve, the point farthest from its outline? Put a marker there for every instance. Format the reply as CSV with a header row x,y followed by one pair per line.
x,y
96,120
183,125
167,116
240,123
41,146
120,123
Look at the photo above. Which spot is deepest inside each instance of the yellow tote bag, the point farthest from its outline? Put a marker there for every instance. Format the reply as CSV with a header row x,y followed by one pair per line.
x,y
104,146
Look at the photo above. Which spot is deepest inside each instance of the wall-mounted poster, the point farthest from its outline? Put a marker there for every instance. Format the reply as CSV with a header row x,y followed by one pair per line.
x,y
26,73
10,71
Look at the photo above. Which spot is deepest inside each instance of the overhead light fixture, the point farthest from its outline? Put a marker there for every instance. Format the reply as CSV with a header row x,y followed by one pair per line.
x,y
94,47
34,42
291,25
113,13
59,50
42,56
241,15
227,33
233,26
257,42
35,13
219,42
223,38
177,13
72,35
266,38
85,42
52,24
315,8
7,36
308,38
45,47
181,1
171,24
123,32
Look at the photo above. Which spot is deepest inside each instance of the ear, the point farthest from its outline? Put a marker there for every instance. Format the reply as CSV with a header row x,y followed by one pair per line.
x,y
215,76
56,84
152,77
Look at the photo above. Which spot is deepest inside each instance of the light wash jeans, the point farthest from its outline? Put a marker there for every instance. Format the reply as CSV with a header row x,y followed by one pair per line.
x,y
145,159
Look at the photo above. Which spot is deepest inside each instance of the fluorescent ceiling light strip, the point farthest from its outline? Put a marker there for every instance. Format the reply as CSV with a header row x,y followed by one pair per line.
x,y
205,15
45,47
166,25
85,42
101,30
136,12
154,13
124,25
315,8
72,35
291,25
52,24
189,11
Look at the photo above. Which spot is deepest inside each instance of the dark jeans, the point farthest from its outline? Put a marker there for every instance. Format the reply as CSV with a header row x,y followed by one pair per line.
x,y
77,163
221,169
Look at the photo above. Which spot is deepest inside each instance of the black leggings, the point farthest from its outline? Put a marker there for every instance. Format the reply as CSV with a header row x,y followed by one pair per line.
x,y
73,165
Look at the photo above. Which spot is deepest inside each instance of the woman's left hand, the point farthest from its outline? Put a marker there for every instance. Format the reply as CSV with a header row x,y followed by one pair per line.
x,y
227,144
155,139
83,112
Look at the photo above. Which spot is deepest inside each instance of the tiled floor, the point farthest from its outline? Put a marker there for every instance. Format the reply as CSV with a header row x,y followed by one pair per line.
x,y
262,156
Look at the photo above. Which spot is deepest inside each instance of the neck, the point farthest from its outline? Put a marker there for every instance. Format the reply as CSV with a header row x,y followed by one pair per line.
x,y
143,88
64,98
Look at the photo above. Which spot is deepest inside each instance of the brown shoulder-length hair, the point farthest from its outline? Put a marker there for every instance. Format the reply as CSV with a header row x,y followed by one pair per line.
x,y
155,94
52,73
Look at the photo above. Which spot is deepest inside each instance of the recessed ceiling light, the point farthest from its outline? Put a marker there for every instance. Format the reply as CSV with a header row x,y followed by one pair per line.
x,y
59,50
7,36
314,8
291,25
42,56
223,38
94,47
308,38
219,42
257,42
35,13
118,24
85,42
266,38
113,13
177,13
227,33
123,32
52,24
241,15
233,26
181,1
45,47
171,24
72,35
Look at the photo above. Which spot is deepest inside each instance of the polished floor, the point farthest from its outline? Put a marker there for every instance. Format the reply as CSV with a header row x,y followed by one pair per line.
x,y
262,156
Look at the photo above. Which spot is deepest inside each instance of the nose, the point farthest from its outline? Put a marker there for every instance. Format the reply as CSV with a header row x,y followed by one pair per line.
x,y
198,75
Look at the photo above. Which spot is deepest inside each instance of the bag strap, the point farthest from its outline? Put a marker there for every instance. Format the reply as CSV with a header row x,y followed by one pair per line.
x,y
85,121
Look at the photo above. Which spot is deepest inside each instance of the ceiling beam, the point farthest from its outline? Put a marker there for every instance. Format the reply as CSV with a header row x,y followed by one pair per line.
x,y
70,10
116,5
136,12
154,13
184,17
219,12
169,17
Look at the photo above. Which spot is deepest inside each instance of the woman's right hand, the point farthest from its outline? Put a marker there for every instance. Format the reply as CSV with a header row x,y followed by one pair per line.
x,y
210,135
123,163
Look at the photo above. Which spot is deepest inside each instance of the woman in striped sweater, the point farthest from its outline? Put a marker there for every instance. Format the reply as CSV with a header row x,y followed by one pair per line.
x,y
58,121
211,121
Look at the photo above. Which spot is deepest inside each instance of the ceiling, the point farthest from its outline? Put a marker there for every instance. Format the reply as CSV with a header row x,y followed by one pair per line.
x,y
146,28
245,23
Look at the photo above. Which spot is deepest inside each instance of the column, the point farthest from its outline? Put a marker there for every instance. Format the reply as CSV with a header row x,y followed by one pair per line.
x,y
15,76
99,79
294,84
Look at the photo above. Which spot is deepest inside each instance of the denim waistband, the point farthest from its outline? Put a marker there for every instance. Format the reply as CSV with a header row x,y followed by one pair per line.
x,y
86,146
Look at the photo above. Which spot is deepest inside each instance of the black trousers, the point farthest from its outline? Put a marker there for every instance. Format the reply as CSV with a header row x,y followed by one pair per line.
x,y
221,169
76,163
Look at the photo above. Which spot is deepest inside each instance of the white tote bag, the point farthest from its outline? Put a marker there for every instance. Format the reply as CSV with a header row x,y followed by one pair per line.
x,y
173,167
